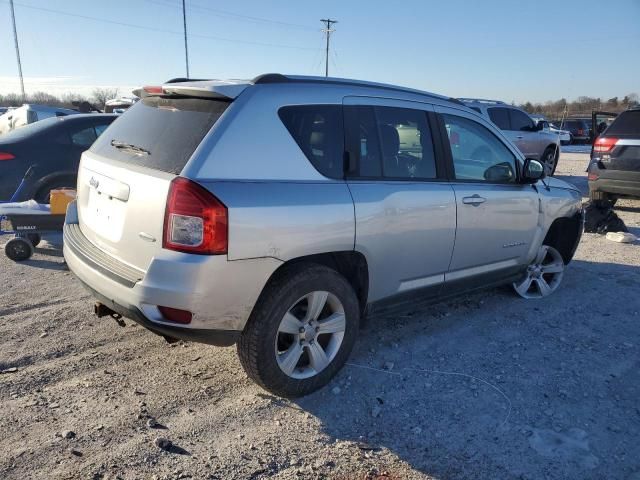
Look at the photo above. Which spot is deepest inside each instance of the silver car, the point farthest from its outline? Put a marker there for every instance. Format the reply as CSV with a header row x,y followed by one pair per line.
x,y
275,213
530,136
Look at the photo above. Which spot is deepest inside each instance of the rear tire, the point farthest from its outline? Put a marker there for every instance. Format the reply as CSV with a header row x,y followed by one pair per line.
x,y
34,238
18,249
272,332
602,198
549,160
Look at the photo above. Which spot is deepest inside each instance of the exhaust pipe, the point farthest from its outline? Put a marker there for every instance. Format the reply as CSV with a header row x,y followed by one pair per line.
x,y
101,310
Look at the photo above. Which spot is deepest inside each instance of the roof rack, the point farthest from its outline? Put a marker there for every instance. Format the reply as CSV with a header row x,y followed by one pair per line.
x,y
481,100
280,78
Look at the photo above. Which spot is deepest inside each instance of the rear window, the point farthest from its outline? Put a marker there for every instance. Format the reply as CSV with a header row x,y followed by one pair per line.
x,y
627,123
168,128
500,117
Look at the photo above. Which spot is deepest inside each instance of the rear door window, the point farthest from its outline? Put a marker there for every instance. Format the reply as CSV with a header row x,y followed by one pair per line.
x,y
627,123
389,142
520,120
500,117
317,129
168,128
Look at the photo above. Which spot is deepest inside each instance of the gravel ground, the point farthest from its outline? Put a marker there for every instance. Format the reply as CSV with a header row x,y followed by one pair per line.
x,y
486,386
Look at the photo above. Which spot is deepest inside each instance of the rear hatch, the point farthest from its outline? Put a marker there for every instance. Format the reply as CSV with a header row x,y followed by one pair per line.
x,y
124,178
619,146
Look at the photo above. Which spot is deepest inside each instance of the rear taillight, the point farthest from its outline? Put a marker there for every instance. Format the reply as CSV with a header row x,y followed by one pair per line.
x,y
604,144
6,156
175,315
593,176
195,221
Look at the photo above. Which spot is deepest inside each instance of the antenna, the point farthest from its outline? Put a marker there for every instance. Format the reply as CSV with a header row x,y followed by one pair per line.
x,y
184,22
15,38
327,31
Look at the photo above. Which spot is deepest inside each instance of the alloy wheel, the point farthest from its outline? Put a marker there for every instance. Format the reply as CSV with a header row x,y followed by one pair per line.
x,y
543,275
310,335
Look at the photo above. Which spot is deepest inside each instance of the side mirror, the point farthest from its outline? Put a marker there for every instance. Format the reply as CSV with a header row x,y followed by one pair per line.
x,y
532,171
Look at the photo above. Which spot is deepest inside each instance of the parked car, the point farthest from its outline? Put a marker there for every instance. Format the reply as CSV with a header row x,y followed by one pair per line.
x,y
529,136
275,213
54,146
563,135
26,114
579,128
614,170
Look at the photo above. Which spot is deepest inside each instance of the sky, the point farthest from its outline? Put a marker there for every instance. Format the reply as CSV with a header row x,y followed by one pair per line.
x,y
514,50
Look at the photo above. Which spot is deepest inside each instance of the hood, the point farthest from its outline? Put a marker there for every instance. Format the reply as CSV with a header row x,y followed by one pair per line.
x,y
557,183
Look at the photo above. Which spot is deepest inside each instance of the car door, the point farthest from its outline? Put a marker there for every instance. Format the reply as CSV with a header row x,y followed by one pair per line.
x,y
404,207
498,220
530,142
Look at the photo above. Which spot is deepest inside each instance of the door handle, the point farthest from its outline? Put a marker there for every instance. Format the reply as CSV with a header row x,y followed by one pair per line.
x,y
474,200
519,137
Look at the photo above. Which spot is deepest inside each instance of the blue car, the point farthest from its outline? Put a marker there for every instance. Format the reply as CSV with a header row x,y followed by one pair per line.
x,y
53,146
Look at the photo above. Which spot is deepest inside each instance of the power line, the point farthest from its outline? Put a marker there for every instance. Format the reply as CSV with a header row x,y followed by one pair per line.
x,y
226,14
161,30
15,38
328,31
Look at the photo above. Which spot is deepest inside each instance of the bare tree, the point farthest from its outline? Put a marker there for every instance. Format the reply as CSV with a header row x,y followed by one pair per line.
x,y
101,95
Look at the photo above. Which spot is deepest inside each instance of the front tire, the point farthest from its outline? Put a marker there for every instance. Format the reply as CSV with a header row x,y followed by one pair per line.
x,y
543,275
301,330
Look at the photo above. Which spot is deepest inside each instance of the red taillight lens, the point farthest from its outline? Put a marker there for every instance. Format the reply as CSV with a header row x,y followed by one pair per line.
x,y
154,89
175,315
195,221
604,144
593,176
6,156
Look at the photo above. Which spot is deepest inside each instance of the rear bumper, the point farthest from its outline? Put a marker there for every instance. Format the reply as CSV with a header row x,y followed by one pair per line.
x,y
617,182
220,338
219,293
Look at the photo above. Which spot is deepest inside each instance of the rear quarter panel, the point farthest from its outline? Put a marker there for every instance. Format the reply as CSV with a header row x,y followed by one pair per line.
x,y
286,220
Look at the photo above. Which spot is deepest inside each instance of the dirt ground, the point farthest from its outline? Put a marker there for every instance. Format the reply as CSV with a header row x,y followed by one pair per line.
x,y
486,386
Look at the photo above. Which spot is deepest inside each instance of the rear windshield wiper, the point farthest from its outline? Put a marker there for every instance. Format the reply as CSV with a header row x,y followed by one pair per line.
x,y
130,147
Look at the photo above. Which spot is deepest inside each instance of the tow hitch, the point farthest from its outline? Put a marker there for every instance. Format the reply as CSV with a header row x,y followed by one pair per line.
x,y
101,310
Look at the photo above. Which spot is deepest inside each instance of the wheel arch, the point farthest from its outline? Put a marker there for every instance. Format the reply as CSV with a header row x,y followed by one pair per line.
x,y
350,264
52,179
564,235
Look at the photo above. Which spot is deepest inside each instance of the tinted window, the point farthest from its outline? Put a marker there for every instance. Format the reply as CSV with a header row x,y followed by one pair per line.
x,y
169,128
363,142
477,153
317,129
84,137
627,123
389,142
100,129
500,117
520,120
406,143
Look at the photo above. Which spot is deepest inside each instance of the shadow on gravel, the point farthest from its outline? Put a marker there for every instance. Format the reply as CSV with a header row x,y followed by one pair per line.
x,y
495,384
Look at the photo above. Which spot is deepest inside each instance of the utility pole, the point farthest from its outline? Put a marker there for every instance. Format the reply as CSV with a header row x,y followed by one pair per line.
x,y
328,31
186,49
15,38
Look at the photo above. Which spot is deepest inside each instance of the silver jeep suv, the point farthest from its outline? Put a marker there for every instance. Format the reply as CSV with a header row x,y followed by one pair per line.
x,y
275,213
531,138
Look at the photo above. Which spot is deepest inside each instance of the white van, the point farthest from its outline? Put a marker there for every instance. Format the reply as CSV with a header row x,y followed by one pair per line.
x,y
26,114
